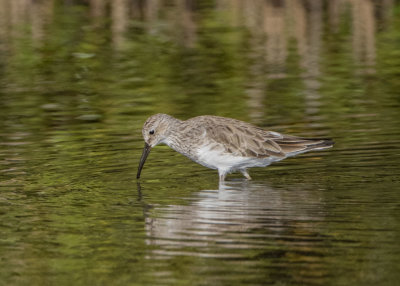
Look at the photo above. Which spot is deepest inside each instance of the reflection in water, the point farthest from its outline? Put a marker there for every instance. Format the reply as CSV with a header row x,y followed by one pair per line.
x,y
119,14
276,21
267,44
242,229
248,230
240,215
77,80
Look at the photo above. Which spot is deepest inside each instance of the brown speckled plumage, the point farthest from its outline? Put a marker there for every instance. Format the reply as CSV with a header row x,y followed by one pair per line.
x,y
223,143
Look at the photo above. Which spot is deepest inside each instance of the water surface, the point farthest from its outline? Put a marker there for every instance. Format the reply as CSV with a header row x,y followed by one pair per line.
x,y
79,78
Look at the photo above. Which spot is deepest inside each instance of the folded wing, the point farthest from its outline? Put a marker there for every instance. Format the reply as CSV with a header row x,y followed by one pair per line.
x,y
251,141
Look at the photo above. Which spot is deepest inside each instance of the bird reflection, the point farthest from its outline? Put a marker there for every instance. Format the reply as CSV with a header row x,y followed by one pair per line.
x,y
139,190
240,214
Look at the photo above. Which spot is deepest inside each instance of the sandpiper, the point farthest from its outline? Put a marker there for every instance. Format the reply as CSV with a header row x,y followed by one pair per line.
x,y
224,144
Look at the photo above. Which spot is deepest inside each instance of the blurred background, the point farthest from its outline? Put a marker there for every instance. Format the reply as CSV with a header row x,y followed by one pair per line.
x,y
79,78
236,58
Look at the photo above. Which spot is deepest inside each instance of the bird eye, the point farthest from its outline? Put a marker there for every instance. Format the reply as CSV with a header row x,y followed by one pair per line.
x,y
151,132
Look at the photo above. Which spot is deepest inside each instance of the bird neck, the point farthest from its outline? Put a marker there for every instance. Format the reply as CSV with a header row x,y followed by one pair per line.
x,y
172,127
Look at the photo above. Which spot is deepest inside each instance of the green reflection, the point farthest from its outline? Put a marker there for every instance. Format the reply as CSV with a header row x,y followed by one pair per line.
x,y
79,78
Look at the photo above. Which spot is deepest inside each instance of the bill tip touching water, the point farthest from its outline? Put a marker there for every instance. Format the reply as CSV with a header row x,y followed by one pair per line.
x,y
225,144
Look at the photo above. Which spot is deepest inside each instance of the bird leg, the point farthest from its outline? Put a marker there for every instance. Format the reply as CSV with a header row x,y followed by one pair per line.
x,y
221,175
244,172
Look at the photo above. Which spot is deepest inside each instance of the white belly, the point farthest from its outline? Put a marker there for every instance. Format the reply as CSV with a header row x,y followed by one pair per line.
x,y
215,159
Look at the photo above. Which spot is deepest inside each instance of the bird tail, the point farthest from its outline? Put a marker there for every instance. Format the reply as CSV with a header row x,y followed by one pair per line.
x,y
292,145
318,143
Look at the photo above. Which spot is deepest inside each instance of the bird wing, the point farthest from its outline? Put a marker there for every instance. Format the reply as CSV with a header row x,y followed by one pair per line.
x,y
251,141
247,142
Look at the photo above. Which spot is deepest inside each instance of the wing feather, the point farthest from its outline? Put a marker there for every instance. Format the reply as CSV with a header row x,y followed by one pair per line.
x,y
243,139
238,140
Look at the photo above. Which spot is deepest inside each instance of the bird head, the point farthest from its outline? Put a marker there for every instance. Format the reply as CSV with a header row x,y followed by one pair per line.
x,y
155,131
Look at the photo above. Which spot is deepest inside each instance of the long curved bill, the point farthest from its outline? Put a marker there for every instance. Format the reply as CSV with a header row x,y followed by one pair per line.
x,y
146,152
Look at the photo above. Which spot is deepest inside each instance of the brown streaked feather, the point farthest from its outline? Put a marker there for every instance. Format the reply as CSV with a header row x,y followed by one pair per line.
x,y
224,144
243,139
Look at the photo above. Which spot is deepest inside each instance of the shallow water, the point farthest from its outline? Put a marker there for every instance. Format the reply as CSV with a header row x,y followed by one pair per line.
x,y
77,81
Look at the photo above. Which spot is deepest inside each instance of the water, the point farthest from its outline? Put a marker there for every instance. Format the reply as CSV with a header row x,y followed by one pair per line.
x,y
79,78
